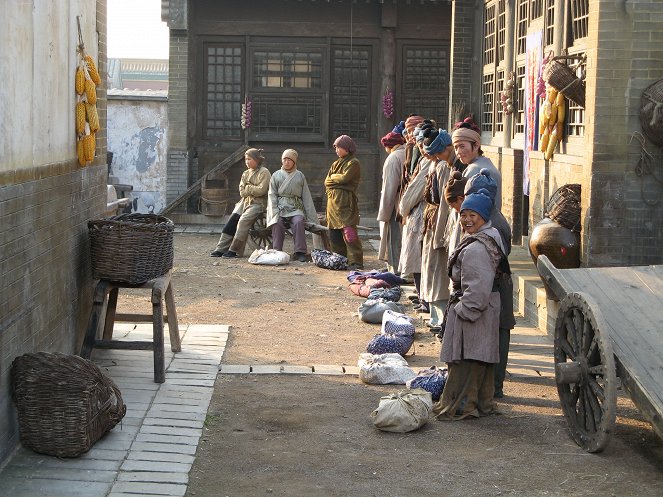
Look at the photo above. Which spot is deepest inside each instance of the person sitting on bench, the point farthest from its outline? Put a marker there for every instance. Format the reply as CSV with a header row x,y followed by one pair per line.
x,y
253,187
289,201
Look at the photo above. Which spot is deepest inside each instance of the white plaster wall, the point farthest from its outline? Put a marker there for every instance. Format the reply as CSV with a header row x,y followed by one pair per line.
x,y
138,138
38,61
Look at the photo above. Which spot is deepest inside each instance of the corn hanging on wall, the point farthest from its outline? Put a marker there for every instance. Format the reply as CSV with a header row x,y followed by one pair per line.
x,y
80,117
90,91
79,151
552,143
92,69
92,117
88,147
80,80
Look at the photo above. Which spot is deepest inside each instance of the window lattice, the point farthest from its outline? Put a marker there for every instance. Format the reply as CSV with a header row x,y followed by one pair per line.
x,y
489,36
579,18
550,22
425,77
350,92
521,26
499,110
277,69
519,115
488,102
286,114
224,92
535,9
501,31
575,119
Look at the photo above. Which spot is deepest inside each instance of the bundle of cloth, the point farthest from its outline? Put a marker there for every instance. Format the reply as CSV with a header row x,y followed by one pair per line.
x,y
363,283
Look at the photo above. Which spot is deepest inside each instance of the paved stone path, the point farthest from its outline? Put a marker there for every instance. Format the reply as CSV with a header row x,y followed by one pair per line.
x,y
152,450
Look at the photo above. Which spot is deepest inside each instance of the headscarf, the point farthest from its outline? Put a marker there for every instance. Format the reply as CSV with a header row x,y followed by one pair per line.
x,y
465,134
391,139
441,141
482,180
290,154
399,128
256,154
347,143
412,122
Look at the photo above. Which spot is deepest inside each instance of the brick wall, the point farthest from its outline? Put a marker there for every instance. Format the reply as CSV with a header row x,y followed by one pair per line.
x,y
462,42
178,158
45,277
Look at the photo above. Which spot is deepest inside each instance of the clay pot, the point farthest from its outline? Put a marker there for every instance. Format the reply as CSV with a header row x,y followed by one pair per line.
x,y
559,244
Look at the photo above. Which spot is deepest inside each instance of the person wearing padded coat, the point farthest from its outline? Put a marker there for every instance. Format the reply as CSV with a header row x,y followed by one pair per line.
x,y
341,186
504,282
470,344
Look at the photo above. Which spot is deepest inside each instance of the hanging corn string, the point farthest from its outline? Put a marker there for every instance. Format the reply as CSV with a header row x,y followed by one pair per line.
x,y
87,119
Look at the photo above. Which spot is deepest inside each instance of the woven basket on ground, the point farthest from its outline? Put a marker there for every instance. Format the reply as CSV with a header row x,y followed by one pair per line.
x,y
561,77
651,112
65,403
564,207
131,248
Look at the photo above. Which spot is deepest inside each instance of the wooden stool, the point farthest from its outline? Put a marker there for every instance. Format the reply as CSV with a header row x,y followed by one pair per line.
x,y
162,288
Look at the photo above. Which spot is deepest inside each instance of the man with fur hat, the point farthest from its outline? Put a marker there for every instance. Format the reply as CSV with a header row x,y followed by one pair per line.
x,y
290,202
253,187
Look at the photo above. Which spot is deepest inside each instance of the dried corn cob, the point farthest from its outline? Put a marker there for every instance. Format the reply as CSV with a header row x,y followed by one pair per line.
x,y
92,117
80,80
90,91
92,69
89,145
80,117
79,151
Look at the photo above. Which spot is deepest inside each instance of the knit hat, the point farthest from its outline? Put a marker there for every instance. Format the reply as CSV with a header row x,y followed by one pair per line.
x,y
412,121
399,128
347,143
478,202
465,134
482,180
455,187
422,129
290,154
256,154
392,139
441,141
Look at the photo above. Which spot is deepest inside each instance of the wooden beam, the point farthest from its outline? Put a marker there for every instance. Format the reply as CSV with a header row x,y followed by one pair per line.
x,y
219,168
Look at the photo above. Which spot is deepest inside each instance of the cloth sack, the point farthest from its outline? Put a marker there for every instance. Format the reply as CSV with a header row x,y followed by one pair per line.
x,y
384,369
371,310
392,294
404,411
432,380
329,260
269,257
389,278
397,323
362,287
389,343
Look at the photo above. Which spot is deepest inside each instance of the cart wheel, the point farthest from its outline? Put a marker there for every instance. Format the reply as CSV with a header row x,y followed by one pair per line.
x,y
585,372
260,235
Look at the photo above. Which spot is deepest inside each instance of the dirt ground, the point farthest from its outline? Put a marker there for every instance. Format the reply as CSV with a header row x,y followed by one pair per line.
x,y
311,435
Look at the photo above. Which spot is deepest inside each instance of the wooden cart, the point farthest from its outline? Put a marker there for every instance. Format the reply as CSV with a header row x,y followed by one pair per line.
x,y
609,325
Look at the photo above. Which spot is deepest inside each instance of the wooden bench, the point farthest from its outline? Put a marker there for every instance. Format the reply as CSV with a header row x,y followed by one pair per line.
x,y
162,289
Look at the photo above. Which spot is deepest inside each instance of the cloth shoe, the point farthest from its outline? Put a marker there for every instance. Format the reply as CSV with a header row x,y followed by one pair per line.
x,y
299,257
230,255
216,253
354,266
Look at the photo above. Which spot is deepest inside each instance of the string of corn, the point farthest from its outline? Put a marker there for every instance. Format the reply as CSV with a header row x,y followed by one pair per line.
x,y
87,79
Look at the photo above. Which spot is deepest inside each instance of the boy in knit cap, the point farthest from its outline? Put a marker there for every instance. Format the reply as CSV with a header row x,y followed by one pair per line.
x,y
253,187
290,202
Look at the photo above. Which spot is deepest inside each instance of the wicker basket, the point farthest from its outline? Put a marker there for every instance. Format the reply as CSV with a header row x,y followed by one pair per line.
x,y
131,248
651,112
564,207
65,403
561,77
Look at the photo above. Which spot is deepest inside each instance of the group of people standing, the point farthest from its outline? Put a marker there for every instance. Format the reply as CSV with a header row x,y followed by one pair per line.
x,y
284,199
439,197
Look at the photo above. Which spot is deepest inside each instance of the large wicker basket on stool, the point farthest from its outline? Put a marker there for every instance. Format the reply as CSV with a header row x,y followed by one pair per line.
x,y
131,248
65,403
